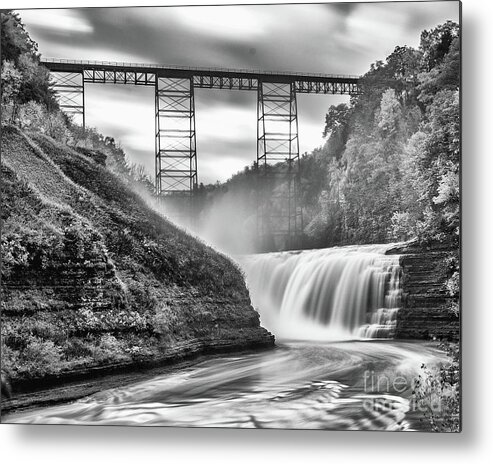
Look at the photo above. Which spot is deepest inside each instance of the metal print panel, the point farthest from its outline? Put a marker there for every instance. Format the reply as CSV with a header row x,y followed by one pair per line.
x,y
232,216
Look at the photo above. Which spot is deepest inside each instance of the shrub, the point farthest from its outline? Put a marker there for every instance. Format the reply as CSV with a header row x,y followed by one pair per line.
x,y
437,392
14,253
40,357
163,320
78,348
10,359
48,329
81,242
109,348
27,243
34,116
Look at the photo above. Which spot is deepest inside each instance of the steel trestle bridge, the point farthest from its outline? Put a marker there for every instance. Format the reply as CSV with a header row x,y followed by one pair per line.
x,y
279,213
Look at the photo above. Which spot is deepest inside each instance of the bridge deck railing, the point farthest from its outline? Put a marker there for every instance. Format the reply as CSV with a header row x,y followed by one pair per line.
x,y
121,64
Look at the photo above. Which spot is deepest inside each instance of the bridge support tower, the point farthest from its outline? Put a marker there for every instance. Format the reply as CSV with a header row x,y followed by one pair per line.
x,y
69,87
176,151
279,214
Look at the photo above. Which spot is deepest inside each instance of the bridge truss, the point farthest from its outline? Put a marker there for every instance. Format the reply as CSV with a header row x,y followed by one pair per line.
x,y
279,214
176,152
278,208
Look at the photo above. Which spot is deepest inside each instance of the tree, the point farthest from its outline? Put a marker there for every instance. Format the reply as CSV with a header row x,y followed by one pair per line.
x,y
445,76
36,85
139,175
35,116
11,81
435,44
439,167
15,40
20,53
336,129
389,117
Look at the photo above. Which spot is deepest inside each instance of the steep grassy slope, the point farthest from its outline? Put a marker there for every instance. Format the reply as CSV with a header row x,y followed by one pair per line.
x,y
92,277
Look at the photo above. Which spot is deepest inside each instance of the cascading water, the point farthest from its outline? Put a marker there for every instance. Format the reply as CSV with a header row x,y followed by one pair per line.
x,y
335,293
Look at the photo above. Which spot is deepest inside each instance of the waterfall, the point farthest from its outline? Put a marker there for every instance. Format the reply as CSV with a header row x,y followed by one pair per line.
x,y
335,293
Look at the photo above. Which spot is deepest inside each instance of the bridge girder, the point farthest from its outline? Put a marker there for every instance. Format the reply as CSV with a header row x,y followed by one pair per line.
x,y
102,76
221,78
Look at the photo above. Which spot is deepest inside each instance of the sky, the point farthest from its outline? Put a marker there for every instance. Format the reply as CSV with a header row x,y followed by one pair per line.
x,y
332,38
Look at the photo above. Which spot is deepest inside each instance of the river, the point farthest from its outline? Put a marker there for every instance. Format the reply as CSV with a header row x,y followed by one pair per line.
x,y
335,367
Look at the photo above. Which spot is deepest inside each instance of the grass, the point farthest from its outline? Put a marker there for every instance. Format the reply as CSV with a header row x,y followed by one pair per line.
x,y
91,275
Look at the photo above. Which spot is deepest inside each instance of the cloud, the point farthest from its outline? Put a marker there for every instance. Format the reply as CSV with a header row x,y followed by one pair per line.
x,y
57,21
334,38
226,137
237,23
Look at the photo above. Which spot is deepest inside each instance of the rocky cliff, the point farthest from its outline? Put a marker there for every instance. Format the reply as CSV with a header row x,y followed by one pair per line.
x,y
426,304
94,279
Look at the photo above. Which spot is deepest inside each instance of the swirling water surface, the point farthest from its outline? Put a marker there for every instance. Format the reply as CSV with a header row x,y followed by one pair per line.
x,y
334,386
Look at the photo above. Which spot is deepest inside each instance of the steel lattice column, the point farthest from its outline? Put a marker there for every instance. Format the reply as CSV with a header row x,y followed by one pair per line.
x,y
279,215
176,154
69,87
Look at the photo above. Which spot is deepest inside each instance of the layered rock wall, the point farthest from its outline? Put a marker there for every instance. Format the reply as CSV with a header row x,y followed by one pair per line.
x,y
426,303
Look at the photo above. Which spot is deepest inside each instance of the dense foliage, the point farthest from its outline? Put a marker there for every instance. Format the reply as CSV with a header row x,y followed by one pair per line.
x,y
23,79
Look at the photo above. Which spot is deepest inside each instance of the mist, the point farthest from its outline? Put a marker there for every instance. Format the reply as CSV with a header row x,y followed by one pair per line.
x,y
229,223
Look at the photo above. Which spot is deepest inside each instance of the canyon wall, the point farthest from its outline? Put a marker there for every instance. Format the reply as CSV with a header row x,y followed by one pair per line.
x,y
426,302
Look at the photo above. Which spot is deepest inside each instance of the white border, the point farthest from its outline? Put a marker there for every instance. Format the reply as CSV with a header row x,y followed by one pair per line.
x,y
37,444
